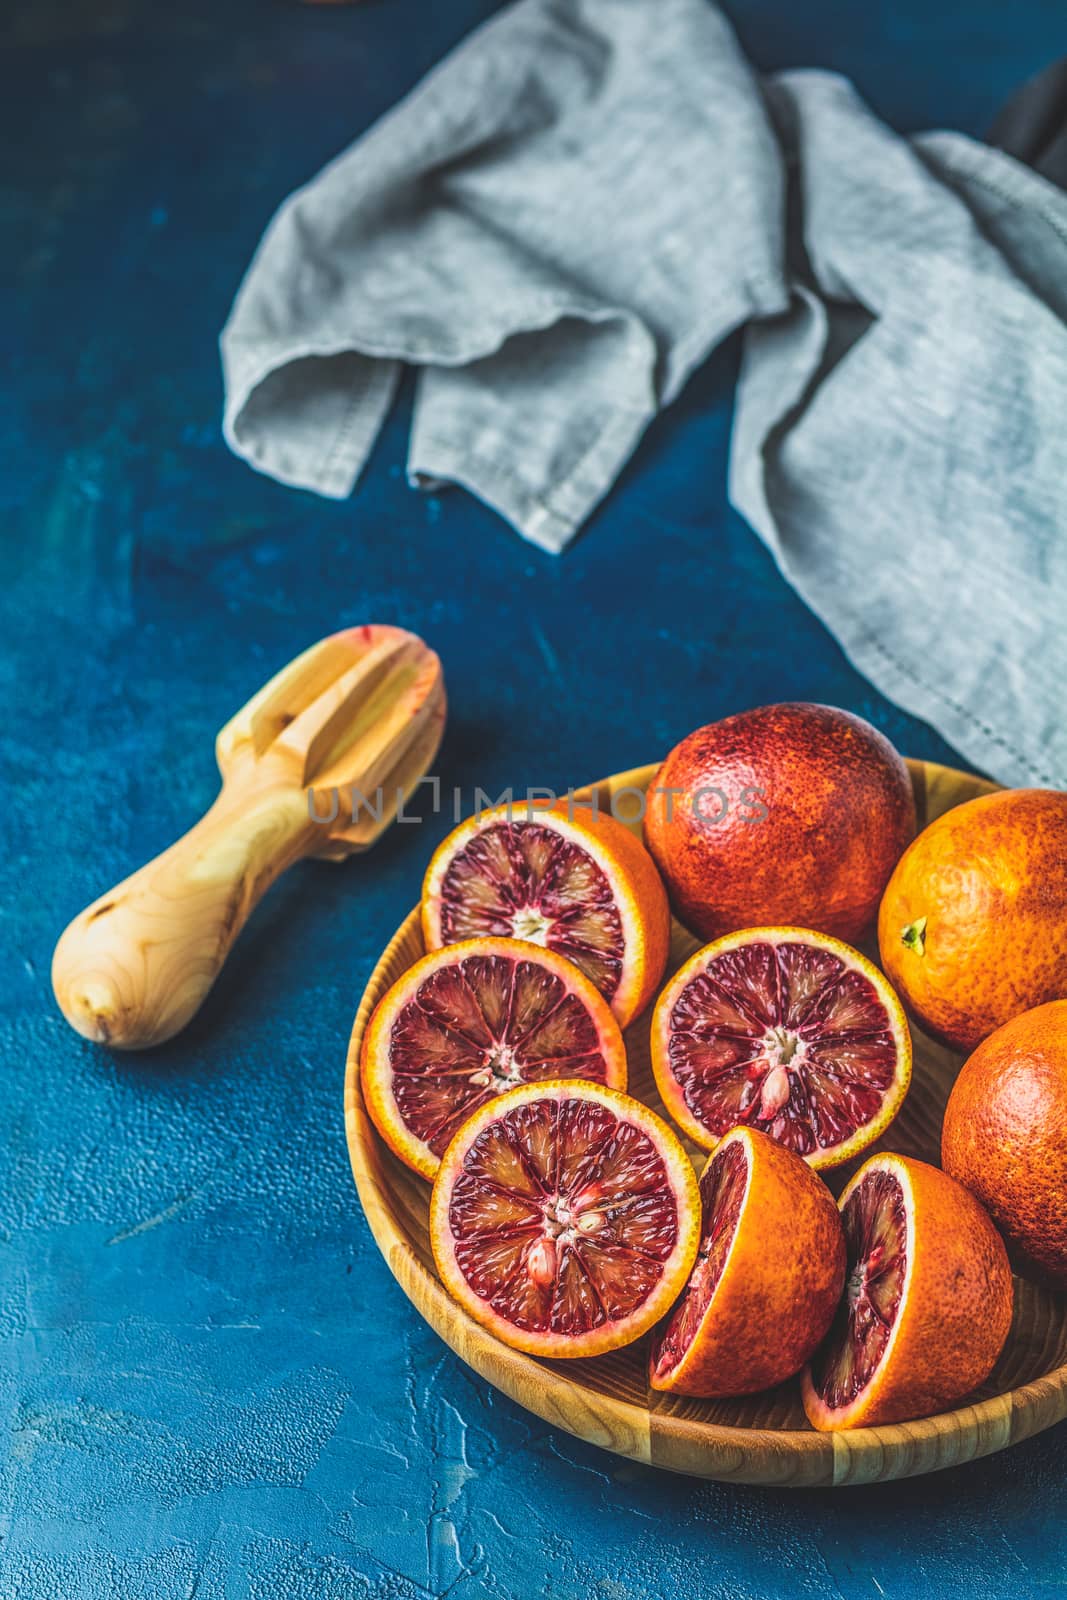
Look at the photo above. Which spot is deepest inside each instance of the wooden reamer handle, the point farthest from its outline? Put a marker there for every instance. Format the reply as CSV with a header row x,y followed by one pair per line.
x,y
133,967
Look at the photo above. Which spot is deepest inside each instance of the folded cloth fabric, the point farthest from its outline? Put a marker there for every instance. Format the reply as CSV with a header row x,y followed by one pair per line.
x,y
554,228
567,216
898,440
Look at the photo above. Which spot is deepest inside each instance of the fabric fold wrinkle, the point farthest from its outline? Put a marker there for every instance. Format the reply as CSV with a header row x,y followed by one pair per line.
x,y
538,229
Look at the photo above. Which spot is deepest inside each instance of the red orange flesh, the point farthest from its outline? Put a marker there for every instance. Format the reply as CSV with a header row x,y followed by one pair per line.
x,y
565,1218
767,1278
787,1031
470,1021
927,1303
567,877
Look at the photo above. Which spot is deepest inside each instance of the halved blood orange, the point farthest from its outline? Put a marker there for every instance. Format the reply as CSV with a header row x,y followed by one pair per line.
x,y
464,1024
767,1279
927,1303
787,1031
564,876
565,1218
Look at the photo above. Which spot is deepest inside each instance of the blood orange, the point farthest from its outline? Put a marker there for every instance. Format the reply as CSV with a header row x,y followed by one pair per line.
x,y
789,814
1005,1137
563,876
565,1218
973,924
467,1022
927,1303
785,1030
767,1279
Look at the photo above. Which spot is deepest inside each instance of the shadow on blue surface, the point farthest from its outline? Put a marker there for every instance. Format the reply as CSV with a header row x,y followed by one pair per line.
x,y
214,1388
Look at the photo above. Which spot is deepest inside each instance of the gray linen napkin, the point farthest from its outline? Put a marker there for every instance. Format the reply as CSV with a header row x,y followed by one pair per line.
x,y
899,437
566,217
547,229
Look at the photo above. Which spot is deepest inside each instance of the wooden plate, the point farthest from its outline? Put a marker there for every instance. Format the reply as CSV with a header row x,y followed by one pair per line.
x,y
765,1438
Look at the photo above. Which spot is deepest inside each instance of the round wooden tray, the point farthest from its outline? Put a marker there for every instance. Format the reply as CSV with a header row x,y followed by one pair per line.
x,y
764,1438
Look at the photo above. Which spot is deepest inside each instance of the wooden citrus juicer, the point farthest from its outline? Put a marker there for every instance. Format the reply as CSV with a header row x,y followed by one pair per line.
x,y
316,764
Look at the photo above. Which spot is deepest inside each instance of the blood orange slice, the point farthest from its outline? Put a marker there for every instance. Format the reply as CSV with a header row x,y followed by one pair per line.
x,y
767,1279
565,1218
787,1031
468,1022
927,1303
562,876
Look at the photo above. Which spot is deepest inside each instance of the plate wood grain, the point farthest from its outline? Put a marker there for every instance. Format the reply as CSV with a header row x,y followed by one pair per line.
x,y
764,1438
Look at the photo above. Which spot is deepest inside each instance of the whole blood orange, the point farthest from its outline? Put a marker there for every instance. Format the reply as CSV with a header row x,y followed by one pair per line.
x,y
973,924
788,1031
568,877
927,1303
767,1279
787,814
565,1218
1005,1136
465,1024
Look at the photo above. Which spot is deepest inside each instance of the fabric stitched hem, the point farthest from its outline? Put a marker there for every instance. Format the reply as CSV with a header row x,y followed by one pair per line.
x,y
988,750
343,453
549,520
551,517
359,429
1001,174
957,723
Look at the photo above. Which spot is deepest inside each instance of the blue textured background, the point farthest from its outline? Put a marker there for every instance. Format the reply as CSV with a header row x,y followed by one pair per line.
x,y
213,1387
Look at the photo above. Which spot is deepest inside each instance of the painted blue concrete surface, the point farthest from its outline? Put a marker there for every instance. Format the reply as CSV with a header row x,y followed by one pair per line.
x,y
209,1384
